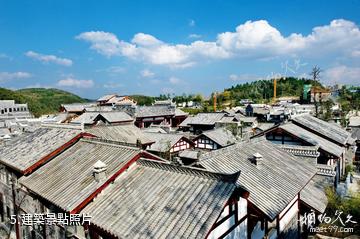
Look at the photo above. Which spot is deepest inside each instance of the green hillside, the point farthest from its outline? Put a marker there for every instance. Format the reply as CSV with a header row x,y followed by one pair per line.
x,y
262,90
40,100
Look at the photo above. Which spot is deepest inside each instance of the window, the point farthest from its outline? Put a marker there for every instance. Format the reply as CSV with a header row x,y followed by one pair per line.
x,y
8,212
10,110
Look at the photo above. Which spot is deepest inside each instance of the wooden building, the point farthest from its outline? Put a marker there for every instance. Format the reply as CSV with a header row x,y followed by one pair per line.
x,y
114,99
214,139
90,119
159,114
71,180
22,157
126,134
273,180
168,201
201,122
168,143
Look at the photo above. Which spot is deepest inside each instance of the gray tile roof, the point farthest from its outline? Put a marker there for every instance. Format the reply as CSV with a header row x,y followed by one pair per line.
x,y
245,119
304,151
228,119
158,200
221,136
111,117
313,139
163,142
116,116
265,126
190,153
314,193
76,107
154,110
68,179
25,151
86,118
271,185
328,130
120,133
4,131
154,129
355,133
106,97
354,121
179,112
203,119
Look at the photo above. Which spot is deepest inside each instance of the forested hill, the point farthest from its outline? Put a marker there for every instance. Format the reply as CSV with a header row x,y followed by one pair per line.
x,y
40,100
262,90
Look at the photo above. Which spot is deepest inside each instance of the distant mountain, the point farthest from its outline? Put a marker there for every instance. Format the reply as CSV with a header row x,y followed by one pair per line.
x,y
40,100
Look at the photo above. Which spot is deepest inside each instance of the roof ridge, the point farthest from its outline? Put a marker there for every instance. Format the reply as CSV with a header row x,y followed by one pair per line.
x,y
109,142
198,172
60,126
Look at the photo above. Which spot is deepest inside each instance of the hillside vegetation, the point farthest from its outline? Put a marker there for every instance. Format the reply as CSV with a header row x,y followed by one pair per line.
x,y
263,90
40,100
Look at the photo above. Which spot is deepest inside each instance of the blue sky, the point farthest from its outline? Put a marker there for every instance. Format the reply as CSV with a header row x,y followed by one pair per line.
x,y
150,47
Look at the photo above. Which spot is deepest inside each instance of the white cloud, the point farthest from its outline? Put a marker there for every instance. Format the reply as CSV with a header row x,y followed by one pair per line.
x,y
72,82
192,23
174,80
253,39
115,69
49,58
147,73
6,76
111,85
343,75
194,36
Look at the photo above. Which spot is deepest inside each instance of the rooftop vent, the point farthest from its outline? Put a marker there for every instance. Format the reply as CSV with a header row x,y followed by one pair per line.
x,y
99,171
258,159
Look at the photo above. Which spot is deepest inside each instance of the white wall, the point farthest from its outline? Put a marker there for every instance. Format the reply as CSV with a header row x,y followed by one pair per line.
x,y
293,211
240,231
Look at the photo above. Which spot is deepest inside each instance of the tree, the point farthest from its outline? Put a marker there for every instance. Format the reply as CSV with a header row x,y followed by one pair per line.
x,y
315,73
327,105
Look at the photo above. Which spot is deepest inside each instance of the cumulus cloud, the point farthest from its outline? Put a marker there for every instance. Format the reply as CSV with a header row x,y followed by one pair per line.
x,y
147,73
49,58
72,82
6,76
343,75
252,39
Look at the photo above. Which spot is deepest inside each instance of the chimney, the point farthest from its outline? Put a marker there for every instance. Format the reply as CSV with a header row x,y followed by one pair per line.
x,y
258,159
99,171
